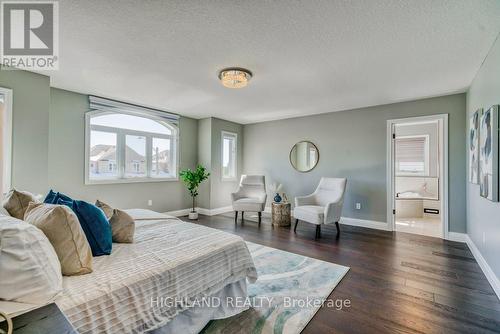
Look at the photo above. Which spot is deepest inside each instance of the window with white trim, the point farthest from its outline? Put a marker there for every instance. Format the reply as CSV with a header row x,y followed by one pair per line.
x,y
412,155
229,155
128,145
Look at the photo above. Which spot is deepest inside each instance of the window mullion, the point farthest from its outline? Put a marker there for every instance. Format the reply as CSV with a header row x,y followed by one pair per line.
x,y
149,155
121,154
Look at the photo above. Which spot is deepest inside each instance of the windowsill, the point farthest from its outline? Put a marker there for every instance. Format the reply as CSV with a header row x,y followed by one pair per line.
x,y
131,180
229,179
412,174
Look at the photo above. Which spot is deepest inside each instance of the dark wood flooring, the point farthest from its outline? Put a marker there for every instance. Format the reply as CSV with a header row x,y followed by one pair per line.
x,y
398,282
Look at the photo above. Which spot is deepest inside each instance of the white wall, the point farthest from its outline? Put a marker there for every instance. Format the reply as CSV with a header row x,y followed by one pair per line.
x,y
483,216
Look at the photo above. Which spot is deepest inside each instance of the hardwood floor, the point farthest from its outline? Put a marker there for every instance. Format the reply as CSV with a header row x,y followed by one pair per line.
x,y
398,282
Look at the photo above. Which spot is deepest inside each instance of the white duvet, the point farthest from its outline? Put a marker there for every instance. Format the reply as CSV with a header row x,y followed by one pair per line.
x,y
170,259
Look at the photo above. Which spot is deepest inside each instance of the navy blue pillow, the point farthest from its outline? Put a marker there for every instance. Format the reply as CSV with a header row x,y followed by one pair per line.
x,y
52,197
94,224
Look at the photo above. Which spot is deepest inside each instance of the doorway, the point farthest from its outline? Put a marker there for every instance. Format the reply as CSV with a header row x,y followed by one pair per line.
x,y
5,139
417,175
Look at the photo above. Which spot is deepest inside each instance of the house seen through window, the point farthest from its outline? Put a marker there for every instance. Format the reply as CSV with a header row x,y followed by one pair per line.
x,y
123,146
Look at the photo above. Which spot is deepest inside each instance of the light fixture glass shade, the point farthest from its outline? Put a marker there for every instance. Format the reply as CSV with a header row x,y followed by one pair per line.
x,y
235,77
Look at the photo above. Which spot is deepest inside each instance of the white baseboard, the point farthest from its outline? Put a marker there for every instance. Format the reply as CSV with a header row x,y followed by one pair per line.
x,y
364,223
353,221
201,211
178,213
455,236
216,211
488,272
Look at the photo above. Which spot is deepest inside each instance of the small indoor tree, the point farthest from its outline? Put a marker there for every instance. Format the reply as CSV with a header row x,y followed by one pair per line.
x,y
193,179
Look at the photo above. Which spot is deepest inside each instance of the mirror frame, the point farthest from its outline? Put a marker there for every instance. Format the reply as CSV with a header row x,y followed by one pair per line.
x,y
290,156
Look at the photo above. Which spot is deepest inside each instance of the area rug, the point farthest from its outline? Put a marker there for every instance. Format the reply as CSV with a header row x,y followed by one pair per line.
x,y
290,290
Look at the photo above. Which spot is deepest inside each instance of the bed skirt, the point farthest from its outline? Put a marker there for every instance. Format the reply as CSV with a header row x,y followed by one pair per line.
x,y
224,304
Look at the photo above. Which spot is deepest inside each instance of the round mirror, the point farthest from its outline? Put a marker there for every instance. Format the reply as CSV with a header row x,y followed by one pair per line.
x,y
304,156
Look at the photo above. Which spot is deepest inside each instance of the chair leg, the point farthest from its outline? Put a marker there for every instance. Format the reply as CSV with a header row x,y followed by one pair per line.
x,y
242,216
260,217
236,217
338,228
295,228
318,231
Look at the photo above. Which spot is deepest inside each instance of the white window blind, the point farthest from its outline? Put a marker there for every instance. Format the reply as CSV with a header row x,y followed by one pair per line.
x,y
412,155
99,103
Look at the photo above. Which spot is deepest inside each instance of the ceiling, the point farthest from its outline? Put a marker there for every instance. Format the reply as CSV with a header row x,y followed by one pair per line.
x,y
307,57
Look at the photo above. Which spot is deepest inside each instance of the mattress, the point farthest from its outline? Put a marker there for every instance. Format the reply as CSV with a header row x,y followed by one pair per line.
x,y
139,286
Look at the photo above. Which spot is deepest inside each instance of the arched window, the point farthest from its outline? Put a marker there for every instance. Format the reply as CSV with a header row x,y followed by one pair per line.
x,y
129,147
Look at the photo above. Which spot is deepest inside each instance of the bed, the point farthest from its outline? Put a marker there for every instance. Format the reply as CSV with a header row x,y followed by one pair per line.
x,y
156,284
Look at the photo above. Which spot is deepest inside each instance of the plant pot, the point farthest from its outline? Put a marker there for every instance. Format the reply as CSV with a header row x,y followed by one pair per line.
x,y
193,215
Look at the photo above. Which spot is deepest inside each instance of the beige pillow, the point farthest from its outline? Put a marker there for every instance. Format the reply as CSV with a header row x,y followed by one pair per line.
x,y
108,211
16,202
60,224
122,227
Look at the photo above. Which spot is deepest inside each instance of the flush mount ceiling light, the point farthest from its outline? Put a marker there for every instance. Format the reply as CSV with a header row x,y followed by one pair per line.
x,y
235,77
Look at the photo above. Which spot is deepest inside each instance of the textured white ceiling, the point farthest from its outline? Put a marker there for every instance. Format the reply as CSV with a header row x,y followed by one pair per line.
x,y
307,57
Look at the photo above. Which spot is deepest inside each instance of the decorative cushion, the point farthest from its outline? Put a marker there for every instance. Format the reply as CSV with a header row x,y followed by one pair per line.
x,y
108,210
122,227
94,224
310,213
248,204
52,197
29,268
16,202
64,232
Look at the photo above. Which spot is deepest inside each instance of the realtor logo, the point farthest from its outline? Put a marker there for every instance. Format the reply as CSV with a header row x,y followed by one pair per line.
x,y
29,35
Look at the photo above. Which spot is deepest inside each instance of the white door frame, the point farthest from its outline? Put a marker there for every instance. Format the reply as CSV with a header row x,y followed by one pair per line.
x,y
442,120
7,140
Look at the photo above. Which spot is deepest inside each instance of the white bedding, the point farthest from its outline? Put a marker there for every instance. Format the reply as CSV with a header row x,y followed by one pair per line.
x,y
169,259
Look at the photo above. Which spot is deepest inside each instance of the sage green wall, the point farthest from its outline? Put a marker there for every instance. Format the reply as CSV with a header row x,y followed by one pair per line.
x,y
220,195
67,160
352,144
483,223
205,159
216,193
31,98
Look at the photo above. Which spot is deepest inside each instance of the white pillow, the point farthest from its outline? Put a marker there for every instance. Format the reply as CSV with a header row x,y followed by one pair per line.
x,y
30,271
3,212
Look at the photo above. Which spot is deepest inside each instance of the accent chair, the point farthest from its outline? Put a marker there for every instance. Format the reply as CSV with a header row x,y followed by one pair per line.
x,y
250,196
323,206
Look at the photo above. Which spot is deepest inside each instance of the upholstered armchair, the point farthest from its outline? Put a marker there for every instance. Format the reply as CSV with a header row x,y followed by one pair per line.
x,y
323,206
250,196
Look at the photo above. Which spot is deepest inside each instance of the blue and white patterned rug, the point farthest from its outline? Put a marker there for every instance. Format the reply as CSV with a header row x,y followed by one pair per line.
x,y
286,296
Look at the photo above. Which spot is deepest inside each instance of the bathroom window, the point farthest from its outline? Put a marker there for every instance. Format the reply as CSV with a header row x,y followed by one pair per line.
x,y
412,155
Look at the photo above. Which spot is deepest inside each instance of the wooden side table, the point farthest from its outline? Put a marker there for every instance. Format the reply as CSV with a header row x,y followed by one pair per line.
x,y
281,214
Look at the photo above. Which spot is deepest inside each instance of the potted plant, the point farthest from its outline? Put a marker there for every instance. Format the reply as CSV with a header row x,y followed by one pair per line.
x,y
193,179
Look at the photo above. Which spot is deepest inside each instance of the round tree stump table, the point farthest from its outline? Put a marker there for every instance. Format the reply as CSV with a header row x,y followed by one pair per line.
x,y
281,214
